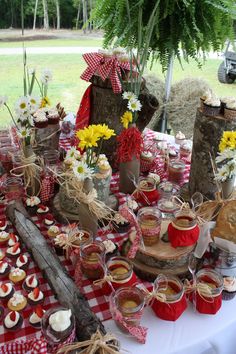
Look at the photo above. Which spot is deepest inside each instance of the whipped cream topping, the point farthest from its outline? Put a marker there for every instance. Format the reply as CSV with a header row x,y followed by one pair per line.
x,y
34,282
22,260
17,299
119,219
60,320
12,241
48,222
162,145
55,229
39,297
41,210
154,176
53,113
172,152
231,105
40,118
102,157
212,101
180,135
4,235
109,246
3,267
132,204
4,226
61,237
227,99
17,272
103,165
8,322
187,146
9,289
230,284
146,154
34,318
10,250
32,201
206,94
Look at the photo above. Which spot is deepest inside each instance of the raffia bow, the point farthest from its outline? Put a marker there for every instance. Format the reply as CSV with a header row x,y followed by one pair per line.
x,y
68,243
108,278
104,344
203,289
155,294
139,188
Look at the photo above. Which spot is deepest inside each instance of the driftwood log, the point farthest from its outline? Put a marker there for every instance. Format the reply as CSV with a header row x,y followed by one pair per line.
x,y
47,138
59,280
207,134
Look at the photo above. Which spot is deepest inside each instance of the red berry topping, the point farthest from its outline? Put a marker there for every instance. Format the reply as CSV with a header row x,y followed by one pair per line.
x,y
2,223
36,293
4,288
15,247
39,311
2,264
13,237
31,279
49,217
43,207
22,258
13,315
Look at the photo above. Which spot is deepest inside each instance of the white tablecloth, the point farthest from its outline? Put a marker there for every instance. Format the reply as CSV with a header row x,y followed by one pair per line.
x,y
192,333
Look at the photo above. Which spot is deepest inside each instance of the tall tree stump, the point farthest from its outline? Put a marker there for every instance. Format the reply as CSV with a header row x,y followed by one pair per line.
x,y
47,138
207,134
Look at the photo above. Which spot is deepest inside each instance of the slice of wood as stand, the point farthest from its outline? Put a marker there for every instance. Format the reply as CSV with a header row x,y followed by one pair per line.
x,y
61,283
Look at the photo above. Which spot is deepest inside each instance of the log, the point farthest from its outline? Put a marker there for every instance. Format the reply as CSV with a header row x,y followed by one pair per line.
x,y
207,134
59,280
47,138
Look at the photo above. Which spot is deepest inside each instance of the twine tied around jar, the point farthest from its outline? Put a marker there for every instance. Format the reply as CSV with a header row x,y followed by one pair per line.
x,y
105,344
160,283
141,187
68,243
203,290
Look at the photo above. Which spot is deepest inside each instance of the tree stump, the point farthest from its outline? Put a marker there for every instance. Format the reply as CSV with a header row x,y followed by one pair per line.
x,y
47,138
207,134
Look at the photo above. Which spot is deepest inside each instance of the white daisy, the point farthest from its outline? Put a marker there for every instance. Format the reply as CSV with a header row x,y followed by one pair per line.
x,y
227,154
3,100
23,116
82,171
134,105
74,153
22,105
46,76
129,96
34,102
32,71
222,174
23,133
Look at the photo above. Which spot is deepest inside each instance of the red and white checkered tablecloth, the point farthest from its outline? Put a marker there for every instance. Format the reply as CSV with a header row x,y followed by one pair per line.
x,y
97,301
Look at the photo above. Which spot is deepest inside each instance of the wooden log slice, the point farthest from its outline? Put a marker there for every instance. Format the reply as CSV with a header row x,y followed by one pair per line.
x,y
47,138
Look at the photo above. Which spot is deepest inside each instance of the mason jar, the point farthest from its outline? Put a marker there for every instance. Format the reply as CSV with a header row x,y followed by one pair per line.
x,y
176,171
93,260
149,220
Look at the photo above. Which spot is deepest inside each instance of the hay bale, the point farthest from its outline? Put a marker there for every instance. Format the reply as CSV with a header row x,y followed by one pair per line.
x,y
183,104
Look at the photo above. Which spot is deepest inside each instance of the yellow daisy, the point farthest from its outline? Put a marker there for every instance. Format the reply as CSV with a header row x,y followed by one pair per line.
x,y
88,138
104,132
126,119
45,102
227,141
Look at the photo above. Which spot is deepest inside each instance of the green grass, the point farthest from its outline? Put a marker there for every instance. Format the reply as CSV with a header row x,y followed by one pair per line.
x,y
55,43
68,88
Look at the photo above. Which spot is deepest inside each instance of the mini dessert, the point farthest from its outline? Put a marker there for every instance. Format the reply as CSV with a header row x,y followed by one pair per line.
x,y
53,231
13,251
230,110
49,220
60,324
2,254
146,161
4,269
154,176
111,249
17,302
132,205
103,166
6,291
12,240
35,297
53,116
32,204
179,138
3,224
4,237
17,275
22,261
211,106
42,209
185,150
172,154
229,291
149,220
30,282
36,318
120,224
13,321
57,241
224,101
206,95
40,121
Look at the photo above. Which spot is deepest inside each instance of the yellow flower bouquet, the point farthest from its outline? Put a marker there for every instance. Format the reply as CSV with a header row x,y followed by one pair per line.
x,y
226,159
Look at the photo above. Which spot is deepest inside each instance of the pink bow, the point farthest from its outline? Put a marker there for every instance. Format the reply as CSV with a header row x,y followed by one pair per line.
x,y
139,332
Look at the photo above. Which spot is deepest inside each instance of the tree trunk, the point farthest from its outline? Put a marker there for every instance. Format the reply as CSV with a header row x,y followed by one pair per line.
x,y
85,15
58,14
78,16
35,13
45,15
90,14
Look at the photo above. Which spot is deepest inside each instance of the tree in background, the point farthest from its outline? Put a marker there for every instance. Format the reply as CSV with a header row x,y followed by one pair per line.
x,y
45,15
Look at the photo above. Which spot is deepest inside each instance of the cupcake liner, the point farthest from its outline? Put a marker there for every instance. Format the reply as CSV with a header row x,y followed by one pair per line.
x,y
210,110
230,114
226,295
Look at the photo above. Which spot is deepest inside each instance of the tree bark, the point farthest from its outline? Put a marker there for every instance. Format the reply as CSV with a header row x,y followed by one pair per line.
x,y
85,15
78,16
64,287
35,13
58,14
45,15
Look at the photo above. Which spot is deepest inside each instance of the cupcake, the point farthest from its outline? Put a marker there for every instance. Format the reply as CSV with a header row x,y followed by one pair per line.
x,y
17,302
13,321
185,150
3,224
132,205
32,205
4,269
56,243
42,209
53,231
224,101
111,249
22,262
146,161
14,251
2,255
35,318
49,220
35,297
41,121
211,107
12,240
6,291
120,224
4,237
179,138
59,324
17,275
206,95
53,116
30,283
229,291
230,111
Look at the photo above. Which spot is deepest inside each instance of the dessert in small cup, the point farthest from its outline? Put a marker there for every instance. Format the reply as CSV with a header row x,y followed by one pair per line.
x,y
132,205
22,261
229,290
53,116
224,101
13,251
120,224
40,121
4,237
35,297
13,240
185,150
57,241
30,282
179,138
3,224
5,269
35,318
206,95
111,249
2,254
6,291
146,161
17,302
57,325
49,220
13,321
17,275
53,231
230,111
42,210
32,204
212,106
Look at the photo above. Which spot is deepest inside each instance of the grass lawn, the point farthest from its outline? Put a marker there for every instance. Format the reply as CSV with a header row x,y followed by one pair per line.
x,y
68,88
86,42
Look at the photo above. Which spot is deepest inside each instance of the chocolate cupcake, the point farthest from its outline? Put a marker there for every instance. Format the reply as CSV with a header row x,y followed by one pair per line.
x,y
32,204
49,220
120,224
35,297
3,224
53,116
13,321
6,291
42,210
30,282
14,251
57,324
13,239
35,318
22,261
229,291
5,269
41,121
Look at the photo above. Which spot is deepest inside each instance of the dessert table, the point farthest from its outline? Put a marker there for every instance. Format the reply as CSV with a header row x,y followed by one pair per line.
x,y
191,333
